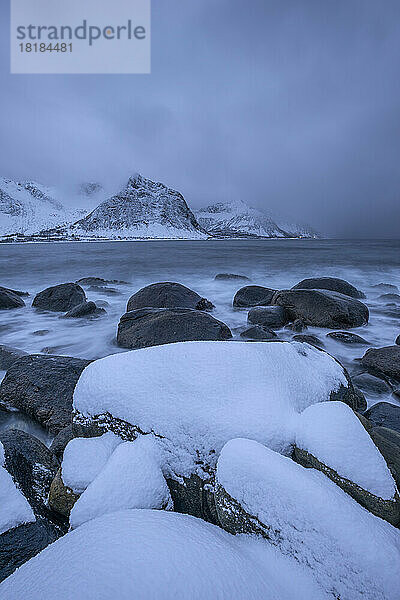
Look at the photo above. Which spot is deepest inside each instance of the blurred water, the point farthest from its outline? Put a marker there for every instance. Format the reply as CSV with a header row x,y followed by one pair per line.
x,y
274,263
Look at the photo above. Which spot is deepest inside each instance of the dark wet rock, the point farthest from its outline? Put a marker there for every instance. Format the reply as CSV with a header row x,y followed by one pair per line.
x,y
102,303
9,299
273,317
390,298
42,387
322,308
371,385
329,283
98,281
389,510
167,295
388,443
397,342
8,356
61,497
41,332
230,277
361,401
298,326
16,292
101,289
345,337
253,295
389,310
384,414
309,338
60,442
86,309
384,362
21,543
31,465
259,333
155,326
60,298
387,287
56,349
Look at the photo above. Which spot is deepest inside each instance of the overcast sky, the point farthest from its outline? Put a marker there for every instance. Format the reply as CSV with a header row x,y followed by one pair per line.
x,y
289,105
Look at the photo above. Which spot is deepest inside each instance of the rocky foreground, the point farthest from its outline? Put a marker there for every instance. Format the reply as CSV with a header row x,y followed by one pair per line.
x,y
197,466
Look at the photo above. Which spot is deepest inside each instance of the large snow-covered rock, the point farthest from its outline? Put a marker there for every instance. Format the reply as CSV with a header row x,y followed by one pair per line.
x,y
143,209
150,554
29,207
330,438
132,478
352,554
195,396
237,219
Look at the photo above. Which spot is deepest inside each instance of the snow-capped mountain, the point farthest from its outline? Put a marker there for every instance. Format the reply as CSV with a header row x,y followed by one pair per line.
x,y
28,207
143,209
237,219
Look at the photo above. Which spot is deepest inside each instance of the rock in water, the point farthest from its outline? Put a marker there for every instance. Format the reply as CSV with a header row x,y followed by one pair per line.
x,y
60,298
42,387
8,356
230,277
383,361
86,309
384,414
388,443
143,209
167,295
274,317
309,338
154,326
259,333
9,299
253,295
329,283
31,465
323,308
371,385
345,337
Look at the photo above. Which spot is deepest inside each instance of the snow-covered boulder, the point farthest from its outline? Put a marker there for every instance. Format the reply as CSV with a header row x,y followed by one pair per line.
x,y
146,327
193,397
131,478
330,438
147,554
352,554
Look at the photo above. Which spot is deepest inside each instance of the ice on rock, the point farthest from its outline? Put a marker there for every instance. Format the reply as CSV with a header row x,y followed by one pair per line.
x,y
352,554
199,395
149,554
332,433
84,458
132,478
14,507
